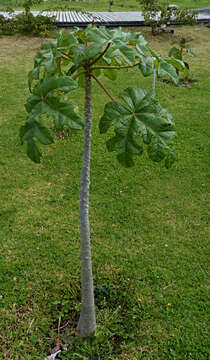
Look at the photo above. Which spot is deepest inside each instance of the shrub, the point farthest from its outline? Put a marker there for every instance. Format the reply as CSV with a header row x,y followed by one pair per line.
x,y
159,15
27,24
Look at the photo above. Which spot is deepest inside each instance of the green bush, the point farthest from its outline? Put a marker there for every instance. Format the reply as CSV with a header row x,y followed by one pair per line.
x,y
158,15
27,24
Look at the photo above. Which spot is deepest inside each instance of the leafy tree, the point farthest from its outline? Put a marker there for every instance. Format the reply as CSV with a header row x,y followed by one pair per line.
x,y
158,15
74,60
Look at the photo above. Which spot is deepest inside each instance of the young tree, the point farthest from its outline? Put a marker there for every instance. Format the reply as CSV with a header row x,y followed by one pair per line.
x,y
158,15
76,59
111,2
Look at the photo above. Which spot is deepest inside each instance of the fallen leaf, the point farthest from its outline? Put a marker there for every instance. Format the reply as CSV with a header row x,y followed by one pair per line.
x,y
52,356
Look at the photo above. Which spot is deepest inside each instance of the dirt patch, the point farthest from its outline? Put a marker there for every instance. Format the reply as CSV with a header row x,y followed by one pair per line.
x,y
14,46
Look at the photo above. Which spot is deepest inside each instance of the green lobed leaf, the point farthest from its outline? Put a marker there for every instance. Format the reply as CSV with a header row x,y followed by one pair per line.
x,y
156,149
175,52
51,85
126,149
33,151
112,112
37,130
66,40
46,100
126,53
93,50
140,114
166,69
63,113
115,36
178,64
33,75
98,34
146,65
46,59
147,137
124,45
141,46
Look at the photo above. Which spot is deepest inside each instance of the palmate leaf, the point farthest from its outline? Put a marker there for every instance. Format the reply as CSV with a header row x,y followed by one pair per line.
x,y
51,85
124,52
66,40
98,34
46,101
36,129
140,114
146,65
141,46
105,36
83,52
123,46
178,64
33,151
46,59
167,69
175,52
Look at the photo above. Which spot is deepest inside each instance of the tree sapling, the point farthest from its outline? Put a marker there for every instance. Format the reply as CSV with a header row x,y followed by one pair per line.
x,y
75,59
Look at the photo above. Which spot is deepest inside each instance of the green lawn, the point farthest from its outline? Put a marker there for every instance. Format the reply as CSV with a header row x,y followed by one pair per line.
x,y
99,5
149,226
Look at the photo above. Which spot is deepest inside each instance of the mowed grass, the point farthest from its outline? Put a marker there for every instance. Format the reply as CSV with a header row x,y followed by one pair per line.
x,y
99,5
149,226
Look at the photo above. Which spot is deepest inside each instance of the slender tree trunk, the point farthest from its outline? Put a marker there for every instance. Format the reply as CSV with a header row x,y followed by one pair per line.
x,y
110,5
154,81
87,323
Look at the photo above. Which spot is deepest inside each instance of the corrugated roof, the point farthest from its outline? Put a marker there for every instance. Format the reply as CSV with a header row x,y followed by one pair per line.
x,y
129,18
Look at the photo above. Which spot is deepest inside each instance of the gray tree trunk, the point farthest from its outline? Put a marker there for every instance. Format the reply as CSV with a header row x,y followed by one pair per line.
x,y
87,323
154,81
110,5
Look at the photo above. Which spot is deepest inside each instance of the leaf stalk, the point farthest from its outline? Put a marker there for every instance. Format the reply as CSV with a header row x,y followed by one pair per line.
x,y
114,67
100,56
103,87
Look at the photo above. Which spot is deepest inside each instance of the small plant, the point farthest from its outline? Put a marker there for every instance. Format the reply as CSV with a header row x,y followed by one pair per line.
x,y
156,15
178,52
73,60
111,3
26,23
159,15
7,26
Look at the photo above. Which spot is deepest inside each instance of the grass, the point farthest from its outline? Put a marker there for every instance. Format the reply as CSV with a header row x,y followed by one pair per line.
x,y
99,5
149,227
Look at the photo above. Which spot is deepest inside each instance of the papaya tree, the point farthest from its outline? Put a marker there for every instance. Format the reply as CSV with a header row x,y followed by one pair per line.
x,y
76,59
